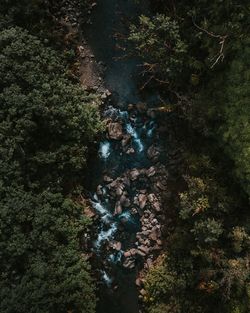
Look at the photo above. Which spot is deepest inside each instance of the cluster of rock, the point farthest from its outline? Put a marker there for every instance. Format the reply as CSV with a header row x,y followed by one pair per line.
x,y
125,195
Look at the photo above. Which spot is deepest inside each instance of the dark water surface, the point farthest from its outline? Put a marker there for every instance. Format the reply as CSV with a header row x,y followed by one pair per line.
x,y
110,17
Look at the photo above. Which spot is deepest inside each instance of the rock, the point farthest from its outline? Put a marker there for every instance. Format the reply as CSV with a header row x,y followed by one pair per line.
x,y
129,263
115,184
89,212
130,151
99,190
127,254
133,251
149,263
153,153
145,233
143,249
103,96
156,206
116,245
154,202
118,208
141,253
115,131
154,235
159,242
107,179
143,292
133,211
138,282
119,191
134,174
161,186
155,248
126,181
152,198
108,93
151,171
125,201
126,139
142,198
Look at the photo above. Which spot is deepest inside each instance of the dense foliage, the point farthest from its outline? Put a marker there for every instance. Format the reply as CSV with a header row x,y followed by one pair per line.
x,y
207,45
47,123
205,267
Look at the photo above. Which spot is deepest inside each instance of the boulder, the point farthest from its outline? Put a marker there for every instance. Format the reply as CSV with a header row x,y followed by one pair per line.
x,y
129,263
134,174
152,198
115,131
142,198
119,191
116,245
126,181
151,171
145,233
133,211
107,179
161,186
125,201
143,292
153,153
130,151
99,190
143,249
89,212
126,139
138,282
159,242
156,206
154,235
118,208
141,253
127,254
149,263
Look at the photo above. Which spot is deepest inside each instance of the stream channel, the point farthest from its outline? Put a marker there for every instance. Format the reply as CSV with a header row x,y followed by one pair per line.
x,y
124,164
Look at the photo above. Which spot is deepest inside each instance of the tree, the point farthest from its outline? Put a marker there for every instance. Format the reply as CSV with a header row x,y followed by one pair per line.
x,y
46,121
42,269
158,41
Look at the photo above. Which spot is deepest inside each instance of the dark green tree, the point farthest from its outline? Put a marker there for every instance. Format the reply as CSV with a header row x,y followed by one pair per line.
x,y
47,123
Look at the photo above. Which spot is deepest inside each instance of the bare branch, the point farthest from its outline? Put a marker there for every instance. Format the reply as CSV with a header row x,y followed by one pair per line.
x,y
220,56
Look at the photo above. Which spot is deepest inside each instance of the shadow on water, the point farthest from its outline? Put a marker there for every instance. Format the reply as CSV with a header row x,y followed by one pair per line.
x,y
108,18
111,17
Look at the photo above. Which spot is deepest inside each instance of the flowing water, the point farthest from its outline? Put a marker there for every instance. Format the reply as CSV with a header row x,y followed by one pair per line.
x,y
117,291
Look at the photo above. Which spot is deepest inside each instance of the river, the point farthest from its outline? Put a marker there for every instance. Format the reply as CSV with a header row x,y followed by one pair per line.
x,y
124,164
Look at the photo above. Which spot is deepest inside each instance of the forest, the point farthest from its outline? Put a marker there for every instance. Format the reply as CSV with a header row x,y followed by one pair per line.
x,y
194,55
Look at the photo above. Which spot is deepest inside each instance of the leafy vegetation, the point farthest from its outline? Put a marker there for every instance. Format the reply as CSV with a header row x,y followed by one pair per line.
x,y
205,266
208,247
47,124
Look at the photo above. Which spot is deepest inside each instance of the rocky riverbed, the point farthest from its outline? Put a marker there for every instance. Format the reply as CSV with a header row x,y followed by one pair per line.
x,y
127,201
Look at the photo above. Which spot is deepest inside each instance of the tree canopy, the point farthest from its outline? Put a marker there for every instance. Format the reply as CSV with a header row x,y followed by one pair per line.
x,y
47,123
